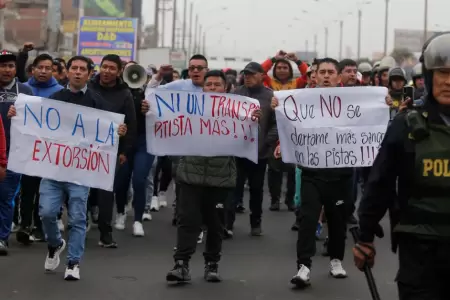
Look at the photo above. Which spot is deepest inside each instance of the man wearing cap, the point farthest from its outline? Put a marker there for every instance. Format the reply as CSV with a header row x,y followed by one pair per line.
x,y
254,88
9,187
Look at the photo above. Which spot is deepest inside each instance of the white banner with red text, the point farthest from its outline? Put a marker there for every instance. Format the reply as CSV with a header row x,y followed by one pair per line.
x,y
331,127
64,142
201,124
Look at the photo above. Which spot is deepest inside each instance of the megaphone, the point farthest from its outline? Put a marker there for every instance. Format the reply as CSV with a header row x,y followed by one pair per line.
x,y
135,76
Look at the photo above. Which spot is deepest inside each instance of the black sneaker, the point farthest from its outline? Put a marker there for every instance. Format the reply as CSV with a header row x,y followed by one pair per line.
x,y
212,272
38,235
23,236
227,234
274,206
325,248
295,226
3,248
240,209
180,273
257,231
106,241
290,206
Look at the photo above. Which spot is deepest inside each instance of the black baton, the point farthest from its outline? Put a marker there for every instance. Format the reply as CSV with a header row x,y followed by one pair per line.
x,y
367,270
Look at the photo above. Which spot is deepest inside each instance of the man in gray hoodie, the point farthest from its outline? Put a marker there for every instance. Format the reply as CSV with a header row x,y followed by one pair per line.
x,y
10,88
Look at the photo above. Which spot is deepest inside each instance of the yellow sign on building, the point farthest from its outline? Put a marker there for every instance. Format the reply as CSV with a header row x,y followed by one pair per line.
x,y
70,26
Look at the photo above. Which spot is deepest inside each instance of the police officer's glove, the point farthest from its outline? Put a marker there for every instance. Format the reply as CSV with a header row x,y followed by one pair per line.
x,y
364,254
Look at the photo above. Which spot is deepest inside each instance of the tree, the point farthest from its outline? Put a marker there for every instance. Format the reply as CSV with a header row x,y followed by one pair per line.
x,y
401,54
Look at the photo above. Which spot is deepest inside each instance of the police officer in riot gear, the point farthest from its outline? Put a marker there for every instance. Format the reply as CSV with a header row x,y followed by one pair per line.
x,y
418,81
366,71
396,83
386,64
416,153
375,78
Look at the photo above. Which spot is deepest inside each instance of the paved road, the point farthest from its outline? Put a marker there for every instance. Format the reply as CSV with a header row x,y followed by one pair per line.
x,y
252,268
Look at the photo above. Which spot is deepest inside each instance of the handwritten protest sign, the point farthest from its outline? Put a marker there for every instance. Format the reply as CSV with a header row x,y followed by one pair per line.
x,y
64,142
332,127
203,124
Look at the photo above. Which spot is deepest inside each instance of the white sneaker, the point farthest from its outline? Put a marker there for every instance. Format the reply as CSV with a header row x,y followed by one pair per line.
x,y
336,269
154,205
72,273
162,199
302,278
52,260
61,226
147,216
138,229
200,238
120,221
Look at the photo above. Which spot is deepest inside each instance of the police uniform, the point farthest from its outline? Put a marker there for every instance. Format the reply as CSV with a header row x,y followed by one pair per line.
x,y
415,154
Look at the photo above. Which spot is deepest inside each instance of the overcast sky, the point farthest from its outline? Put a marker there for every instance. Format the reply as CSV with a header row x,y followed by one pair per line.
x,y
258,28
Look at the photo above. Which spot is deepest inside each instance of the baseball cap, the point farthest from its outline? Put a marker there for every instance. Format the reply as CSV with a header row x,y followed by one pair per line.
x,y
253,67
6,56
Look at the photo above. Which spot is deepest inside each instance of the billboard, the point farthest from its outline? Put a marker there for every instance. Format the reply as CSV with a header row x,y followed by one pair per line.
x,y
102,8
99,36
410,39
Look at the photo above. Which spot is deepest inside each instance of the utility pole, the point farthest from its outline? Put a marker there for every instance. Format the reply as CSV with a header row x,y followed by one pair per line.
x,y
341,38
174,23
183,35
386,23
53,25
326,41
359,33
199,40
204,43
2,27
156,27
163,27
195,34
315,43
425,23
306,45
191,20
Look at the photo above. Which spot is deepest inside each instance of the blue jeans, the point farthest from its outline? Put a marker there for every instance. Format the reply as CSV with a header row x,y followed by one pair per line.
x,y
9,188
139,165
50,202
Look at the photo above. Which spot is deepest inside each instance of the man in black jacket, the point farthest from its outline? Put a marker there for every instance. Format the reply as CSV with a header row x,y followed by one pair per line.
x,y
253,87
118,99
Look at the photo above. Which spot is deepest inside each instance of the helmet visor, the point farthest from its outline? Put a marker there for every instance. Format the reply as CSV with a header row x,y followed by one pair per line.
x,y
437,53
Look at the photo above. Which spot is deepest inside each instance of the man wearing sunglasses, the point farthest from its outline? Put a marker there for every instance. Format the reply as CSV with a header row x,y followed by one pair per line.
x,y
198,66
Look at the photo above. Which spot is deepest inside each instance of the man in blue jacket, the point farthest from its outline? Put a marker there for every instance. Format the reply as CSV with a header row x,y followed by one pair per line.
x,y
9,89
43,84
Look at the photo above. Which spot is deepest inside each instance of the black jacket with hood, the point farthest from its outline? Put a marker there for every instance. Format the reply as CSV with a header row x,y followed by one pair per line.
x,y
268,133
118,99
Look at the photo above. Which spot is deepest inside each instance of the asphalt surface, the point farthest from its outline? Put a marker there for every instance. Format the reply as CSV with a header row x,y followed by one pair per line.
x,y
253,268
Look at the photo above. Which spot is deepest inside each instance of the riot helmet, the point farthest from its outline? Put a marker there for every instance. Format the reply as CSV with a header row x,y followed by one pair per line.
x,y
417,71
364,68
376,65
386,63
435,55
